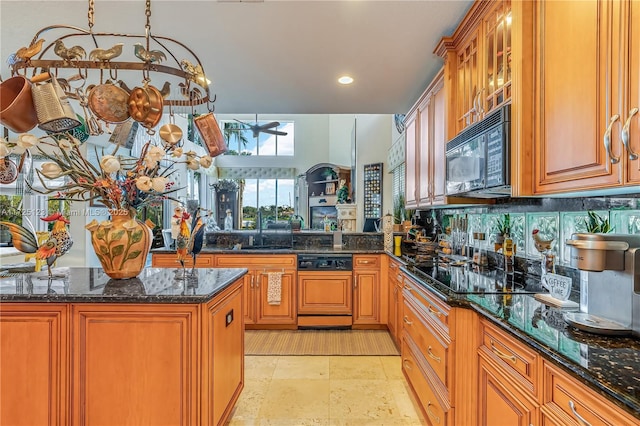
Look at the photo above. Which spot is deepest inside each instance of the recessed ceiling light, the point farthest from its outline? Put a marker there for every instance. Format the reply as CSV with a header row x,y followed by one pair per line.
x,y
345,79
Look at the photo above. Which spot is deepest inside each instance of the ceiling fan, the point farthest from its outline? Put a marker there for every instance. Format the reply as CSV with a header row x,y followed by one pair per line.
x,y
263,128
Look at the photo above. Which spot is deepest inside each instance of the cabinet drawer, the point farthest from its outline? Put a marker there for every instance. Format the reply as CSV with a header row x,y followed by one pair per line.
x,y
520,363
432,408
566,397
170,260
255,261
368,261
435,310
429,342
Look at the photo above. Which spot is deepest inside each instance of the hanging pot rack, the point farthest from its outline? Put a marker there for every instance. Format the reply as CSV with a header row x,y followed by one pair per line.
x,y
194,87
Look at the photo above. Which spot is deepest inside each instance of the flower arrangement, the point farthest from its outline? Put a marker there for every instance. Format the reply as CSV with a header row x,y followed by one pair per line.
x,y
118,182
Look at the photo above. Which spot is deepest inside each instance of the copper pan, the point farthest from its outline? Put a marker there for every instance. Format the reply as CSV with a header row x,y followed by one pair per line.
x,y
109,102
145,106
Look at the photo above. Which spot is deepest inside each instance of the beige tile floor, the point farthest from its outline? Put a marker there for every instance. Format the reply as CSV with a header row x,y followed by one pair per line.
x,y
325,390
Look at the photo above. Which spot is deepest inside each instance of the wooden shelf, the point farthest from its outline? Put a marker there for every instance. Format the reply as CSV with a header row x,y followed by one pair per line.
x,y
325,181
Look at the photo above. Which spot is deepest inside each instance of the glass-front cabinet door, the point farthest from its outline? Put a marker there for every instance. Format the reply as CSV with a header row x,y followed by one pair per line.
x,y
496,88
468,83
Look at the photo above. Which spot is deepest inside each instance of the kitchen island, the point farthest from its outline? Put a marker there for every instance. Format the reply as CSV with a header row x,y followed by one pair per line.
x,y
163,348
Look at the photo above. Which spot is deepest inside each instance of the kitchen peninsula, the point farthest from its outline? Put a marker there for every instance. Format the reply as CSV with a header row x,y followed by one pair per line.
x,y
166,347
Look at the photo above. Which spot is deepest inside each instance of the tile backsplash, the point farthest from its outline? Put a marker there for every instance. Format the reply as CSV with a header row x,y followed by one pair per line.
x,y
555,218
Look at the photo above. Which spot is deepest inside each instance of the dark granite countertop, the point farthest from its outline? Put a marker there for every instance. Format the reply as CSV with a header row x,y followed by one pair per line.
x,y
608,365
89,285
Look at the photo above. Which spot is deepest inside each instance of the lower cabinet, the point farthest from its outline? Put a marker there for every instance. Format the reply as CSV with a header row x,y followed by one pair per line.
x,y
258,311
34,360
500,402
367,291
121,364
394,287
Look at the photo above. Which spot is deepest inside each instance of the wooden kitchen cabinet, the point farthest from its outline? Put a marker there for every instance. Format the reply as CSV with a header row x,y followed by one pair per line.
x,y
477,64
329,293
394,281
577,98
501,402
169,260
34,359
258,312
367,291
223,349
412,154
568,402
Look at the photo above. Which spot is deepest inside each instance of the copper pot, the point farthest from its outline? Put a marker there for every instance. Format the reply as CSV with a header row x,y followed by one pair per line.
x,y
109,103
145,106
17,111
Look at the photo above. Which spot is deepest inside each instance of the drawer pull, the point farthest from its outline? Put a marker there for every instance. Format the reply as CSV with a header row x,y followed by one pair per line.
x,y
434,312
406,319
406,360
408,288
578,416
625,135
502,355
607,140
431,413
399,277
432,356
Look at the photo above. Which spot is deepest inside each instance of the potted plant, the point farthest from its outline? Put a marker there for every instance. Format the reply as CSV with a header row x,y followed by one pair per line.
x,y
398,213
596,224
503,228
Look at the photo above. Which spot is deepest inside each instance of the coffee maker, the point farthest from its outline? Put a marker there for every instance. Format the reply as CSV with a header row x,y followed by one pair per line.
x,y
609,285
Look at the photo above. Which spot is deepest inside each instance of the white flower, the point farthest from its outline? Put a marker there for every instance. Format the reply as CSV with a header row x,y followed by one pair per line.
x,y
27,140
143,183
156,153
150,162
4,150
50,170
191,154
205,161
177,152
109,164
159,183
193,164
65,144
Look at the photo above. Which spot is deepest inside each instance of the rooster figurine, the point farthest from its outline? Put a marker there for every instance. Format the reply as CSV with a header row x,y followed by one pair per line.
x,y
196,240
540,244
68,54
182,241
148,55
58,243
106,55
26,53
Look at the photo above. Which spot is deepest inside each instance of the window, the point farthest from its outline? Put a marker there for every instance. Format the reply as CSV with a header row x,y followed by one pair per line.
x,y
241,140
272,197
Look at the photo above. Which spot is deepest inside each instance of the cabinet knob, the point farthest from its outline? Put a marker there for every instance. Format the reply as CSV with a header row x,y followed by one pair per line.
x,y
607,140
624,135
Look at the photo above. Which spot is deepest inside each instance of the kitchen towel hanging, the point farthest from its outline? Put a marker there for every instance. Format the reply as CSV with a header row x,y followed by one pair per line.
x,y
274,288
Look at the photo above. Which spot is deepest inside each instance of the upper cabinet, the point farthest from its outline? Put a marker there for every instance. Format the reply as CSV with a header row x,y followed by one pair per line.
x,y
477,64
425,148
575,96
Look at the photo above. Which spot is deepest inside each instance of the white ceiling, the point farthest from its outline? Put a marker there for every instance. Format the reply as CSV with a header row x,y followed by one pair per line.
x,y
276,56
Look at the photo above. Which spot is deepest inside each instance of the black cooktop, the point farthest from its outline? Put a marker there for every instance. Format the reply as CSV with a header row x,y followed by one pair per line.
x,y
467,279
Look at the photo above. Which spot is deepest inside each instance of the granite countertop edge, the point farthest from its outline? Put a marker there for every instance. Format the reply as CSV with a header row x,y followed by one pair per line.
x,y
124,296
272,251
624,401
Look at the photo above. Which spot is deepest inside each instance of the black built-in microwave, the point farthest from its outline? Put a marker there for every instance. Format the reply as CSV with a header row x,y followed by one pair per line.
x,y
478,158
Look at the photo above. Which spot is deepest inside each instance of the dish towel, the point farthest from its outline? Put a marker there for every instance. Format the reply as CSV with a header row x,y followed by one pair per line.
x,y
274,288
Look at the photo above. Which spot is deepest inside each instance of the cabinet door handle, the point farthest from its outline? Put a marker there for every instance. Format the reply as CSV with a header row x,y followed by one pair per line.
x,y
252,280
434,312
607,140
408,288
432,356
625,135
578,416
502,355
404,362
431,413
355,282
406,319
